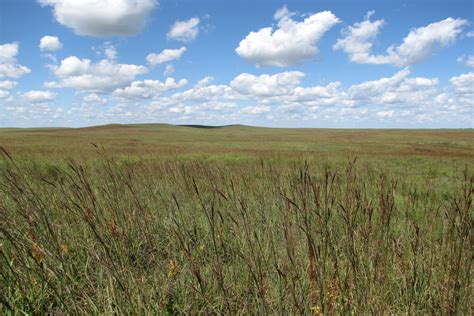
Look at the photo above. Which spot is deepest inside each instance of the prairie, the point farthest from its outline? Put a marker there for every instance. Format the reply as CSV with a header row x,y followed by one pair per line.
x,y
167,219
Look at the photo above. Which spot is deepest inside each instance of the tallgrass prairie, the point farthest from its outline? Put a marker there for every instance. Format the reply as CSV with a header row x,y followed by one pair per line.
x,y
144,219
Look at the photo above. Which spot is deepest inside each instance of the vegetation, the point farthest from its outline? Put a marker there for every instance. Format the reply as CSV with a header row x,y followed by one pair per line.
x,y
236,220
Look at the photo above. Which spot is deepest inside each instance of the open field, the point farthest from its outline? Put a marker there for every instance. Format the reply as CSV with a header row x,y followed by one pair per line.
x,y
236,220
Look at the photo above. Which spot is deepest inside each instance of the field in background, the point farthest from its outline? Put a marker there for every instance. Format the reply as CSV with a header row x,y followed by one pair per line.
x,y
164,140
174,219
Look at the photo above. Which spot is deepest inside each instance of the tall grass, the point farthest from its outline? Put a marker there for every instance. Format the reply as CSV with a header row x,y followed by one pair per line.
x,y
253,237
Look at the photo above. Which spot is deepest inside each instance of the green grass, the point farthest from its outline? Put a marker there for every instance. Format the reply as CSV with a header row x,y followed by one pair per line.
x,y
148,219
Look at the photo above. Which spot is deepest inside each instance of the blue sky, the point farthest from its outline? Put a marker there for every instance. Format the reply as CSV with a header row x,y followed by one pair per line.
x,y
406,64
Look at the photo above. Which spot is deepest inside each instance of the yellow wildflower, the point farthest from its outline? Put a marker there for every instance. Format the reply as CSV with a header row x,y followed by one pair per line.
x,y
316,310
36,252
172,269
64,248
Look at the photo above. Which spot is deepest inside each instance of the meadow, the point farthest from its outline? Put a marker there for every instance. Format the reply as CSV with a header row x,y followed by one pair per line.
x,y
163,219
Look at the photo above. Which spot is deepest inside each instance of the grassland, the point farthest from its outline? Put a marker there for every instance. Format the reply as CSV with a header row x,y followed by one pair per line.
x,y
146,219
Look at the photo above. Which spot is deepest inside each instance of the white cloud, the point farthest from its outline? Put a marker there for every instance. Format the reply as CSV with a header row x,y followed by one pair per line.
x,y
4,94
110,52
464,83
50,43
395,100
102,18
210,111
283,13
165,56
398,89
385,114
256,110
205,93
72,66
204,81
8,84
467,60
184,31
470,34
470,61
328,95
267,85
8,52
282,95
419,44
168,70
358,41
107,50
105,75
217,106
149,88
94,98
290,44
4,86
8,63
317,92
376,87
39,96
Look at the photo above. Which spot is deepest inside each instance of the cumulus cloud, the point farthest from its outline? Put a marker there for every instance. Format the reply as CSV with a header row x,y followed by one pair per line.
x,y
8,84
104,75
283,13
470,61
50,43
8,63
419,44
385,114
282,96
467,60
398,99
359,39
377,87
149,88
184,31
329,95
94,98
256,110
399,89
210,111
317,92
165,56
4,86
110,52
464,83
4,94
291,43
204,81
267,85
39,96
205,93
102,18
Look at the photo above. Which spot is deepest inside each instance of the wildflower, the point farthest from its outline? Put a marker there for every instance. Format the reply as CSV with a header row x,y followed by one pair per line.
x,y
171,269
64,248
332,293
201,248
316,310
37,253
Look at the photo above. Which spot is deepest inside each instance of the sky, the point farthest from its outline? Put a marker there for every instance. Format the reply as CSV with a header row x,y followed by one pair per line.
x,y
319,63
